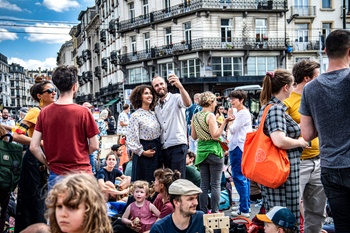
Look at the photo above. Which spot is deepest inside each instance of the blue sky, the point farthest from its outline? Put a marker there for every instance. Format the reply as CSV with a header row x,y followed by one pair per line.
x,y
32,31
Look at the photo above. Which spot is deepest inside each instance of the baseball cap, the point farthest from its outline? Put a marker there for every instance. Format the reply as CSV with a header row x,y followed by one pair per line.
x,y
280,216
87,105
24,110
183,187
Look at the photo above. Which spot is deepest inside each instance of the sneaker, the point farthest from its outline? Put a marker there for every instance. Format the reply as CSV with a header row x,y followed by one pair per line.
x,y
235,208
237,213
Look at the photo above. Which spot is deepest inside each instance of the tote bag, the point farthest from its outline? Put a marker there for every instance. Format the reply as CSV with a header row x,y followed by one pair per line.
x,y
262,161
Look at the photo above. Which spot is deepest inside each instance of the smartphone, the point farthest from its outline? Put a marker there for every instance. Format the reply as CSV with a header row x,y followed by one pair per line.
x,y
154,148
171,72
309,144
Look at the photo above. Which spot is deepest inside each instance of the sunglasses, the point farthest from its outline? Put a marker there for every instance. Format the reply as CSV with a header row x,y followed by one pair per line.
x,y
50,90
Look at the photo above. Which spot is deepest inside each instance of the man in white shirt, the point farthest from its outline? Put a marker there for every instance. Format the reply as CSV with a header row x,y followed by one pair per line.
x,y
7,123
123,120
170,112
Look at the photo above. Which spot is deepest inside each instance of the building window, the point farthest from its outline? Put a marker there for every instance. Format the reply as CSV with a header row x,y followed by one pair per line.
x,y
326,3
302,37
227,66
165,68
298,59
190,68
137,75
187,32
147,42
167,5
168,37
226,30
145,8
132,12
301,7
260,30
260,65
133,45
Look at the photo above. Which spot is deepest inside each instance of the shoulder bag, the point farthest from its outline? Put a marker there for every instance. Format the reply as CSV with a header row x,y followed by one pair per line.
x,y
262,161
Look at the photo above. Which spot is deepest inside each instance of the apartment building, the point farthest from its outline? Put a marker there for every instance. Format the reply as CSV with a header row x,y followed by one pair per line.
x,y
5,94
308,24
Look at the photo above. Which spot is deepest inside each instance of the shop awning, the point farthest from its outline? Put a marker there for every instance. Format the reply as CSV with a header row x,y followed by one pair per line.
x,y
112,101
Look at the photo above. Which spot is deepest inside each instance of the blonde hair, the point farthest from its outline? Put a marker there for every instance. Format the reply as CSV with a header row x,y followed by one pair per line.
x,y
79,188
142,185
206,99
104,114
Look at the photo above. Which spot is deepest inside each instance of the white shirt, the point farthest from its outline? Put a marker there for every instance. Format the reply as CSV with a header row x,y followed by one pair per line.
x,y
122,130
172,118
8,122
239,129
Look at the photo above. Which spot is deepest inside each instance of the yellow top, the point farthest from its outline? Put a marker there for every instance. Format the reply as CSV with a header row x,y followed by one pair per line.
x,y
293,105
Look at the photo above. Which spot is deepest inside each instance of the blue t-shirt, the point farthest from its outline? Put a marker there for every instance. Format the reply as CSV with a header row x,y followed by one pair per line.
x,y
190,111
108,176
166,225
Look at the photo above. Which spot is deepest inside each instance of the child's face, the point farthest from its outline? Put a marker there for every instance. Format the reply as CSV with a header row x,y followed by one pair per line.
x,y
270,227
70,220
188,160
140,194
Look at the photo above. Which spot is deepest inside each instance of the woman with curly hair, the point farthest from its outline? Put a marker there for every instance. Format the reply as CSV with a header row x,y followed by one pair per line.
x,y
32,187
75,204
143,134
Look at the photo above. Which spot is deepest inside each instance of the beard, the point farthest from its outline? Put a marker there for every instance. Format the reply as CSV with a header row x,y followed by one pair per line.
x,y
5,117
162,92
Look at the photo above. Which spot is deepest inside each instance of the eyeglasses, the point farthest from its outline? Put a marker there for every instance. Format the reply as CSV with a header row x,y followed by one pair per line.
x,y
295,85
50,90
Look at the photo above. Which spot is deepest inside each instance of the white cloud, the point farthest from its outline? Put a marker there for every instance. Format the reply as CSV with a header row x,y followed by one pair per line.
x,y
49,33
31,64
9,6
6,35
60,5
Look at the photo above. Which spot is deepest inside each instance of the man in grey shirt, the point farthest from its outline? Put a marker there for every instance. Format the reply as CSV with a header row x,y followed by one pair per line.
x,y
170,112
325,111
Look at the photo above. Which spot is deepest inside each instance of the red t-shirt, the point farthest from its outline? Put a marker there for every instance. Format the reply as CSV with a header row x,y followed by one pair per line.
x,y
65,131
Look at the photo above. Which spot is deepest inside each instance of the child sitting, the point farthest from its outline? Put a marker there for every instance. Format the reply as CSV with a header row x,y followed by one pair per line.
x,y
279,219
141,214
75,204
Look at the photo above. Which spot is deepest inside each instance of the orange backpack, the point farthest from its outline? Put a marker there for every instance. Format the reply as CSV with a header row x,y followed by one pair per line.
x,y
262,161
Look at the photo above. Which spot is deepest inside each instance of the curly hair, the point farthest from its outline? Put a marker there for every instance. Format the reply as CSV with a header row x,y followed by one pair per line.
x,y
38,87
304,68
64,77
206,99
273,83
79,188
142,185
166,177
136,96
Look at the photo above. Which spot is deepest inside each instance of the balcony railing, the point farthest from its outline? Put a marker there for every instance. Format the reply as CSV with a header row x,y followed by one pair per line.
x,y
307,46
197,5
202,44
303,11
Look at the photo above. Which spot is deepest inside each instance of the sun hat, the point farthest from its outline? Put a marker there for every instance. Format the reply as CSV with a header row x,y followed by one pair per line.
x,y
183,187
280,216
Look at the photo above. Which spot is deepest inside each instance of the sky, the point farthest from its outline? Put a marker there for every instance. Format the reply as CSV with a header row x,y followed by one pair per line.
x,y
32,31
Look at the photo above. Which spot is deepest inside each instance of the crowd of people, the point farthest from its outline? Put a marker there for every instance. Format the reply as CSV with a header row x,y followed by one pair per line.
x,y
176,153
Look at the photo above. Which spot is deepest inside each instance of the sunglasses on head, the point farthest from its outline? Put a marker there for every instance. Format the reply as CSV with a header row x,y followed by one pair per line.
x,y
50,90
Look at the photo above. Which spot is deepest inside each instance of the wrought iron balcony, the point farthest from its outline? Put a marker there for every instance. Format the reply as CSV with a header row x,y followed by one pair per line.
x,y
97,71
103,36
200,5
201,44
86,55
97,48
303,11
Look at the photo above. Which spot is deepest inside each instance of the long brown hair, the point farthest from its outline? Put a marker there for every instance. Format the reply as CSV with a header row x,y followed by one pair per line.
x,y
273,83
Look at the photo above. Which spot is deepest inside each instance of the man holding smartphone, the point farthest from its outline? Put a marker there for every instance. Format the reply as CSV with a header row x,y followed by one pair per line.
x,y
170,112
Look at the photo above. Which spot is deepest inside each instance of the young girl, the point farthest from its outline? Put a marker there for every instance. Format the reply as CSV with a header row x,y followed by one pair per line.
x,y
141,214
75,204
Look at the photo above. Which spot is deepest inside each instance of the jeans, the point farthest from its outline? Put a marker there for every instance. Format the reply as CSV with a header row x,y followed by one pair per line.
x,y
211,170
174,157
242,184
53,179
32,191
336,183
92,162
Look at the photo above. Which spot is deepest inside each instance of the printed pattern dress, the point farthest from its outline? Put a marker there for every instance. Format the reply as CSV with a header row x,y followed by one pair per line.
x,y
287,194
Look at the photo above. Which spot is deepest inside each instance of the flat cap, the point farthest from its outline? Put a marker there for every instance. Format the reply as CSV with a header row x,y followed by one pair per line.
x,y
183,187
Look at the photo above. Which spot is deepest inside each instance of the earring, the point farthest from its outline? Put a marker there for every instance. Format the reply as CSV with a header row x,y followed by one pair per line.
x,y
41,102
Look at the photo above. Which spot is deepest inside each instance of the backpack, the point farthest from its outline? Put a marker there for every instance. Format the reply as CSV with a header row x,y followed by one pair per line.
x,y
111,125
10,164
